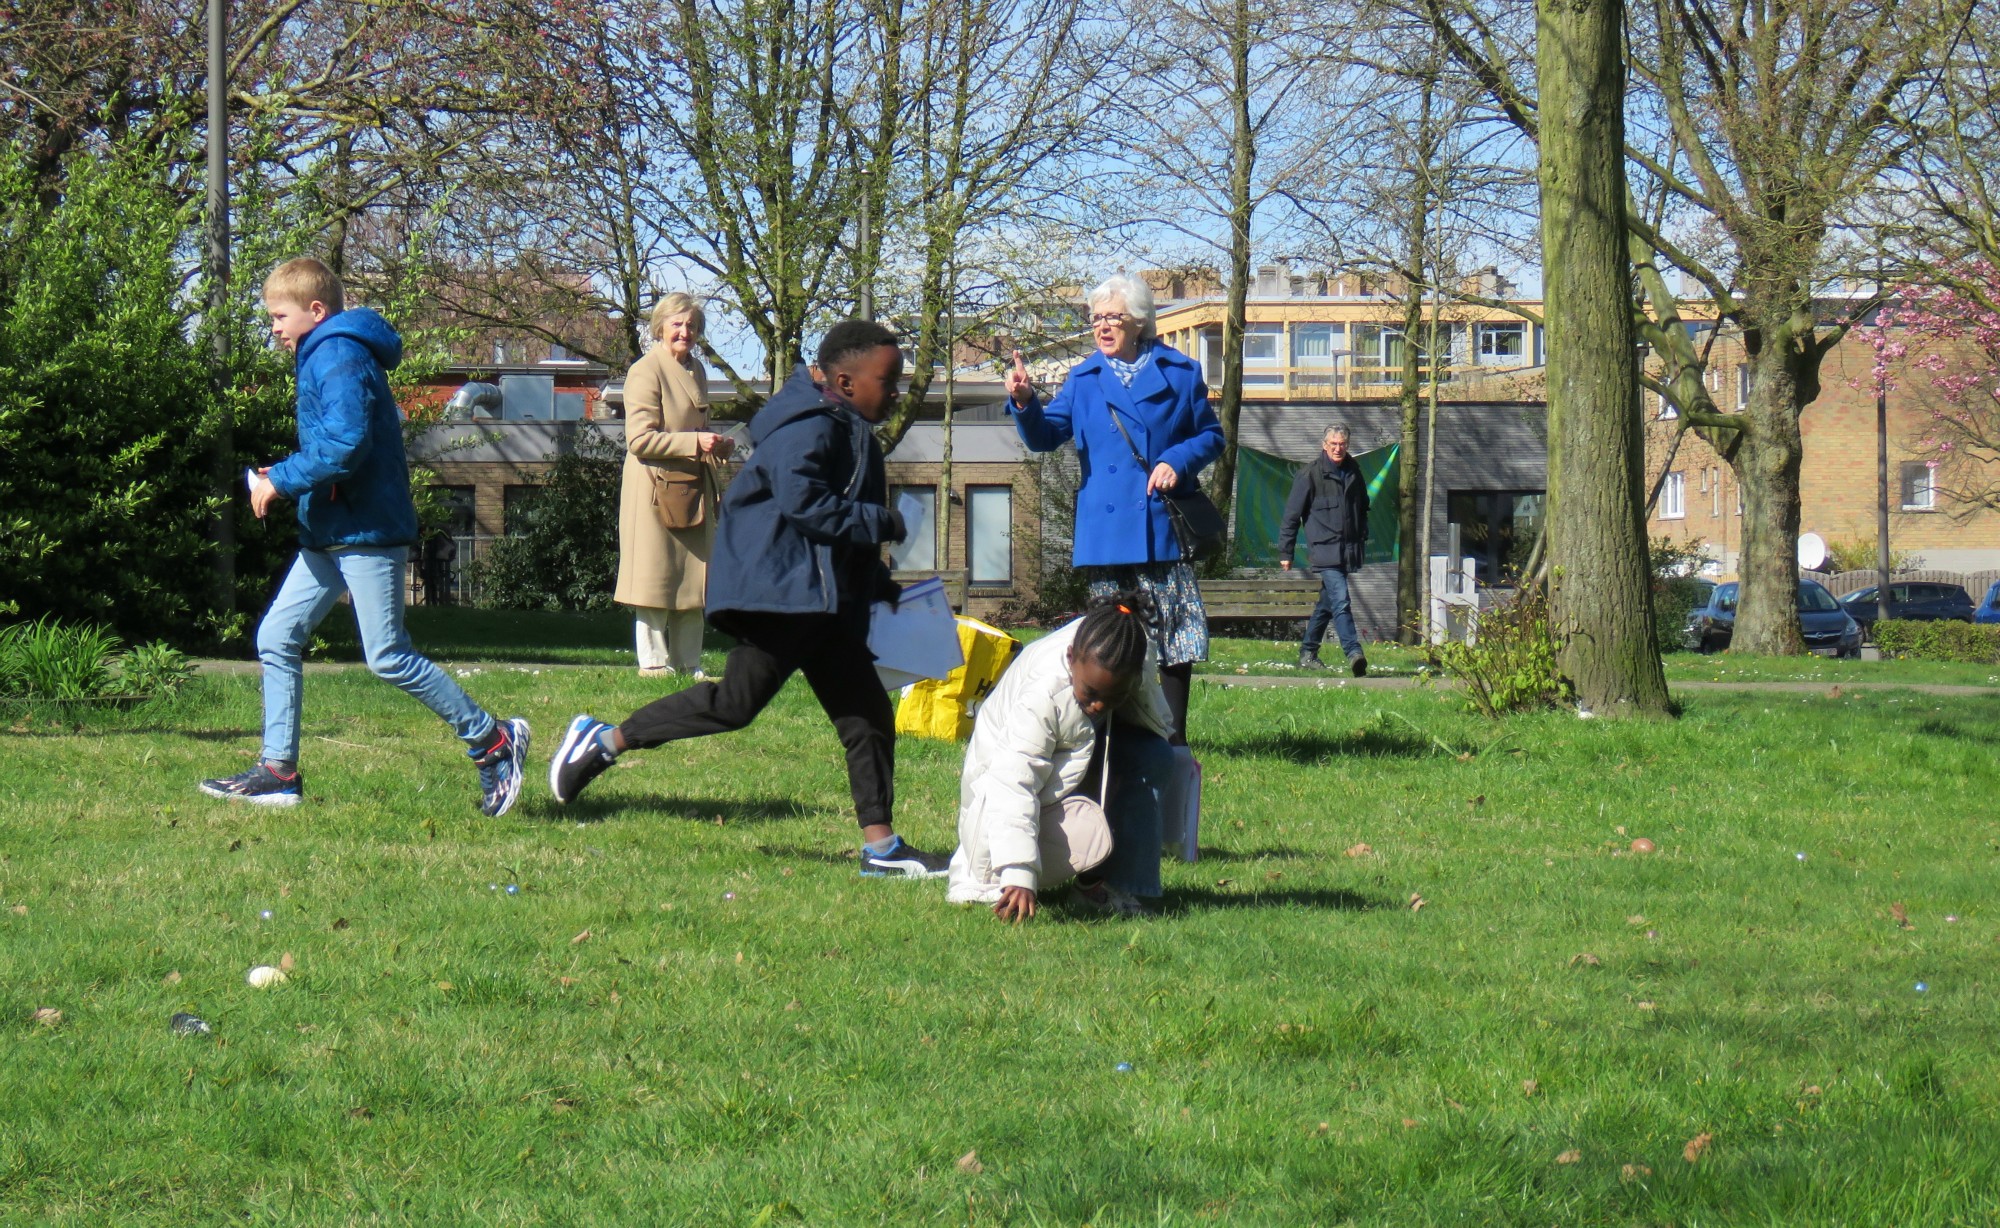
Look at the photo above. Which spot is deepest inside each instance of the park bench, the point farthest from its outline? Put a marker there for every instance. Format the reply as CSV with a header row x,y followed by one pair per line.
x,y
1261,595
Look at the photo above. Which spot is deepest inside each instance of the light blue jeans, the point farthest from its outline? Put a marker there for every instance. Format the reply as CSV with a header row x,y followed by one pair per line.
x,y
373,579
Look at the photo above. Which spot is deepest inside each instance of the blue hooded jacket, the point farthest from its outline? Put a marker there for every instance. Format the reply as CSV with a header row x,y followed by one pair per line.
x,y
803,524
1165,411
350,476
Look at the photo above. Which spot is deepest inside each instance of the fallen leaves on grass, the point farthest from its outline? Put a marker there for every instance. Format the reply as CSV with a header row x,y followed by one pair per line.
x,y
1586,959
361,1112
580,938
1902,916
340,923
1360,850
1224,882
1696,1146
171,978
1635,919
1569,1157
1644,1006
1530,1086
20,910
286,964
1417,902
969,1163
47,1016
1633,1172
1410,1123
1319,1131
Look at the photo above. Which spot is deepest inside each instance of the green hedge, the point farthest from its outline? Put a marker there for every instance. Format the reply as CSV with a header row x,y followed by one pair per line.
x,y
1972,643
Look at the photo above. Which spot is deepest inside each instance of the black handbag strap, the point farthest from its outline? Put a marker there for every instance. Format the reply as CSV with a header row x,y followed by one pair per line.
x,y
1145,466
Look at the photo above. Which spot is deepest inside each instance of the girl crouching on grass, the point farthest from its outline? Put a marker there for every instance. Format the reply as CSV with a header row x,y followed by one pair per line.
x,y
1064,773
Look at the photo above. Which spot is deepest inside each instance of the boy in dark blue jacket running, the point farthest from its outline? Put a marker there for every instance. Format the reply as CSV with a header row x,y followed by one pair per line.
x,y
356,526
797,567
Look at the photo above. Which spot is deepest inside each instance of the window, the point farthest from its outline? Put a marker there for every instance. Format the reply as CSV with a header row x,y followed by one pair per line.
x,y
1673,497
558,352
1313,344
1502,345
460,502
1668,410
1497,529
989,534
1919,487
1261,343
1211,356
1743,386
918,507
1715,492
512,500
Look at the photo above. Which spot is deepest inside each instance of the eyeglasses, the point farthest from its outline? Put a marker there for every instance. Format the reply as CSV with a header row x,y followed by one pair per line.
x,y
1110,317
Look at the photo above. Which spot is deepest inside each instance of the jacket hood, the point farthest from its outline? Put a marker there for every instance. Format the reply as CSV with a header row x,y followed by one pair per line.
x,y
799,398
362,324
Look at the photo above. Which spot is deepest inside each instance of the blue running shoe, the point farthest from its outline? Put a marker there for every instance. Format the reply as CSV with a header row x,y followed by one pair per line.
x,y
500,767
260,786
580,759
903,860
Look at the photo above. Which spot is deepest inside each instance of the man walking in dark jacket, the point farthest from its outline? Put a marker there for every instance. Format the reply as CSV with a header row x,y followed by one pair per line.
x,y
796,568
1331,497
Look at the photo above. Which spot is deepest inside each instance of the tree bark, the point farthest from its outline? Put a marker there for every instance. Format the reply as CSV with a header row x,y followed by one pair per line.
x,y
1242,207
1767,462
1600,596
1411,549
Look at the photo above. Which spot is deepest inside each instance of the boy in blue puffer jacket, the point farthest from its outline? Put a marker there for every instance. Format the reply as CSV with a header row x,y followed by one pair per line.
x,y
356,525
796,570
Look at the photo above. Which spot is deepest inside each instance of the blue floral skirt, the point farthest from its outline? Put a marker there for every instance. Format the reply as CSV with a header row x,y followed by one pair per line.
x,y
1181,635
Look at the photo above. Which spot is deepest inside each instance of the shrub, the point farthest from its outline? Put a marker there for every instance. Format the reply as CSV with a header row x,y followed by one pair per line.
x,y
45,659
1971,643
561,551
153,669
1861,554
1511,666
1673,598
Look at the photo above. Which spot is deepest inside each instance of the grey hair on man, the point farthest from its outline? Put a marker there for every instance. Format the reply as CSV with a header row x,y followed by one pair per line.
x,y
1337,431
1131,295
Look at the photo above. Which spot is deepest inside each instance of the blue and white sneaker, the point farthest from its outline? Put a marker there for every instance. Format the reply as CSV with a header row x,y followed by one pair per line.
x,y
903,860
580,759
500,767
260,786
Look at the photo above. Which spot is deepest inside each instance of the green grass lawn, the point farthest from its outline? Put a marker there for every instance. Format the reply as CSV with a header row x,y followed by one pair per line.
x,y
452,633
694,1012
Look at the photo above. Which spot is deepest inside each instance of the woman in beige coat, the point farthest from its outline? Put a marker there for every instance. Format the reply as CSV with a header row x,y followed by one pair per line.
x,y
667,503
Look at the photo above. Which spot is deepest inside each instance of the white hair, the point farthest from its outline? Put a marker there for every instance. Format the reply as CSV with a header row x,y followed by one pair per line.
x,y
1337,431
1136,296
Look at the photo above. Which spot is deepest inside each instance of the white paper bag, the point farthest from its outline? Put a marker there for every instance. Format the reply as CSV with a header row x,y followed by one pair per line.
x,y
917,638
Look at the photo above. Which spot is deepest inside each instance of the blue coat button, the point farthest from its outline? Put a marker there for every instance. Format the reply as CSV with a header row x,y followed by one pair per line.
x,y
1112,469
1111,507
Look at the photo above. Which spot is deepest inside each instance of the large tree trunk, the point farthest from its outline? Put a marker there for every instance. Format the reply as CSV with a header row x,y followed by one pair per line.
x,y
1600,595
1242,161
1767,471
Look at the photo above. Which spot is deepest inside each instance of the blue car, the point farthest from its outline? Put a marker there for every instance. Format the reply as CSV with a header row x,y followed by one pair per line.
x,y
1827,629
1989,606
1915,601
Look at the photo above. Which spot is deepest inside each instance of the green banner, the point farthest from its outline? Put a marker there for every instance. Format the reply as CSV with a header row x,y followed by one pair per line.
x,y
1264,482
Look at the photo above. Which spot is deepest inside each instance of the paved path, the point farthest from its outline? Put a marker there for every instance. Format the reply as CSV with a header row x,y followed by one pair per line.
x,y
1253,681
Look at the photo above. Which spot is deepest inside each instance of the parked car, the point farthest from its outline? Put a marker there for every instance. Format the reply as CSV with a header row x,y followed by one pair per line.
x,y
1912,600
1989,609
1827,628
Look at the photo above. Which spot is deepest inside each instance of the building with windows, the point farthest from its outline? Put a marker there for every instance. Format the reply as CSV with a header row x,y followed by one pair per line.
x,y
1700,503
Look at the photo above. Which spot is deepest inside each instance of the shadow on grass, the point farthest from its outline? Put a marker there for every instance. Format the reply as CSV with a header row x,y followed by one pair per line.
x,y
1373,742
795,852
687,809
1945,729
1280,852
1333,899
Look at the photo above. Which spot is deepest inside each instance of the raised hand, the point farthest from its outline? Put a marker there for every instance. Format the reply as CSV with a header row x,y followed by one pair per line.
x,y
1019,386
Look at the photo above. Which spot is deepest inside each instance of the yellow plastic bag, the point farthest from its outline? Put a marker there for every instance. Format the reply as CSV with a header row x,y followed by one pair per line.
x,y
943,708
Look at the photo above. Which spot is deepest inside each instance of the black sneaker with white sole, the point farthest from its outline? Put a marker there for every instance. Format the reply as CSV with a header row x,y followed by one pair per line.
x,y
903,860
580,759
260,786
501,766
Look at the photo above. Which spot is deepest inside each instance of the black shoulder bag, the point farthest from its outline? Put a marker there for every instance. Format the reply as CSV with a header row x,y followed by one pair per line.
x,y
1197,524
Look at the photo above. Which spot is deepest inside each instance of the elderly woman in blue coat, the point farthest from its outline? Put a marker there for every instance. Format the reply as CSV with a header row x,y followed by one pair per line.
x,y
1124,538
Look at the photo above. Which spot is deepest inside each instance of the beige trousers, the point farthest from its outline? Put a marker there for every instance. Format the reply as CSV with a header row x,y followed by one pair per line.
x,y
667,638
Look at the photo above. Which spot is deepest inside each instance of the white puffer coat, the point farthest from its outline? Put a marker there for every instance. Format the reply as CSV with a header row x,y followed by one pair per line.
x,y
1031,745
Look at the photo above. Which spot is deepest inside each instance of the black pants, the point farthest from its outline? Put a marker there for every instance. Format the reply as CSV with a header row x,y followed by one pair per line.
x,y
833,654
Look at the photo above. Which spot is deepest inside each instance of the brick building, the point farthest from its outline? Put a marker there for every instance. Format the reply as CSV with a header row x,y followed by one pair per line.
x,y
1699,501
